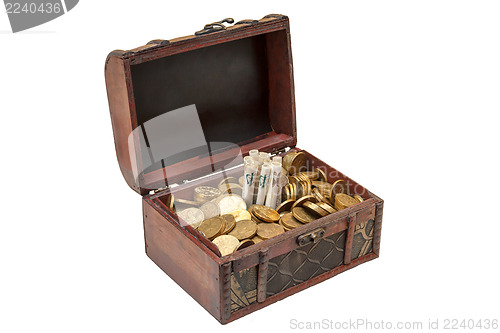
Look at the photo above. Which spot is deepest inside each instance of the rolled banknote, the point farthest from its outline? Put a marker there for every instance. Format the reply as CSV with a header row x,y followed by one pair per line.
x,y
265,172
250,172
274,185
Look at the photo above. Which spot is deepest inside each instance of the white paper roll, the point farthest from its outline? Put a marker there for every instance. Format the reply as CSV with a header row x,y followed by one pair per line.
x,y
254,153
250,173
265,172
265,157
274,186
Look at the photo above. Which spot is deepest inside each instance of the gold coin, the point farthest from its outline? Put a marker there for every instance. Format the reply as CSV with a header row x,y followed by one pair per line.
x,y
290,222
321,174
288,211
255,219
205,193
301,190
285,206
287,160
320,198
256,239
315,208
302,177
241,214
251,208
244,229
339,186
312,175
212,227
306,182
284,226
230,223
303,215
252,215
269,230
245,243
305,198
292,179
343,201
323,187
308,187
286,193
358,197
326,207
266,214
298,163
227,244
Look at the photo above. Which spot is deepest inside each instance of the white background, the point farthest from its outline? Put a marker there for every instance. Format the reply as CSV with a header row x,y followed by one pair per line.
x,y
402,96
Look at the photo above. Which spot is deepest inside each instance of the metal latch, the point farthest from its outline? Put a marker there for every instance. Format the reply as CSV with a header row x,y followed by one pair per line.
x,y
311,237
214,27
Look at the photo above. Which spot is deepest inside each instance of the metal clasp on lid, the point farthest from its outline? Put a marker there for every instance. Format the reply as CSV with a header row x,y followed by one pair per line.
x,y
214,27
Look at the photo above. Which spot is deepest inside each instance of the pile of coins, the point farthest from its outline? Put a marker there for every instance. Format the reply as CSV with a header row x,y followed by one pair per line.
x,y
314,184
221,214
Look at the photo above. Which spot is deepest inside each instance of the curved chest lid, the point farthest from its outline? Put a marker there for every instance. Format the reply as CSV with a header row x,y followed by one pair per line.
x,y
190,106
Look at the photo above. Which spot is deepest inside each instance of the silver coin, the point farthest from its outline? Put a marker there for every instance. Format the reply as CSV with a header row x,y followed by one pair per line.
x,y
230,203
209,209
207,192
220,197
192,216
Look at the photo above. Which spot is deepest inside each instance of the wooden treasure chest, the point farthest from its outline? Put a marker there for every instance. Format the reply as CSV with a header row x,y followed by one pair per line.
x,y
234,212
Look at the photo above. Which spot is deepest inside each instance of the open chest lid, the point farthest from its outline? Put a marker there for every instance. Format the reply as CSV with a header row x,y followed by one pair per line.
x,y
190,106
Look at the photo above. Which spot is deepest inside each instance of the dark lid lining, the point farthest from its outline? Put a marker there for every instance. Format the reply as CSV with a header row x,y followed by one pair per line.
x,y
227,83
272,126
